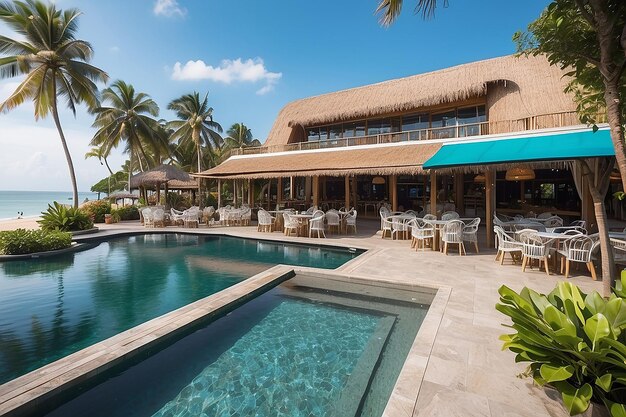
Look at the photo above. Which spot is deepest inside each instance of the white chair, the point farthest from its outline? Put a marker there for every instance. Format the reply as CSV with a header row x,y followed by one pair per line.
x,y
421,233
148,220
207,215
554,221
176,216
333,221
450,215
316,224
190,217
290,224
619,250
266,221
506,244
398,227
452,234
544,215
470,232
311,210
579,249
535,248
579,223
430,217
383,212
158,218
351,220
246,216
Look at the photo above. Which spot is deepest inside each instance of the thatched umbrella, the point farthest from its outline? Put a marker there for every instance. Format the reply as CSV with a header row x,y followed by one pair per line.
x,y
162,174
122,196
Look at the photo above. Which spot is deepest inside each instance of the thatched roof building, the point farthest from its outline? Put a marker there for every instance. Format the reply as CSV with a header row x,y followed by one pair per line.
x,y
158,175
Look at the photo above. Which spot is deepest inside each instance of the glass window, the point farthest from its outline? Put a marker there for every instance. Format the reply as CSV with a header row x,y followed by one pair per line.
x,y
313,134
469,118
359,130
440,122
324,133
349,130
417,124
334,132
373,127
396,124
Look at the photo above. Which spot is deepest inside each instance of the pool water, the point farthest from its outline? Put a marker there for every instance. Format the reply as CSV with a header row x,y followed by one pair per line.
x,y
55,306
299,349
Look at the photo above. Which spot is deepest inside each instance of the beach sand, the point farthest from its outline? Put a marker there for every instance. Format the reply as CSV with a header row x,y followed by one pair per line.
x,y
28,223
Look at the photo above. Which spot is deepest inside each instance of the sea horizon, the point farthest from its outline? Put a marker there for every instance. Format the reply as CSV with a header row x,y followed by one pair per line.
x,y
32,203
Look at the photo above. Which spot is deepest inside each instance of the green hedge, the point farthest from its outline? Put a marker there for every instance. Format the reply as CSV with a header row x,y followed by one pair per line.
x,y
127,213
22,241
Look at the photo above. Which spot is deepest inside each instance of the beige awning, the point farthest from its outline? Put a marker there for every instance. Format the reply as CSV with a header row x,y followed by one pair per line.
x,y
399,158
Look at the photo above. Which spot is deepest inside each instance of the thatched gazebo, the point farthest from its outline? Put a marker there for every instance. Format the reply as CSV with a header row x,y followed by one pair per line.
x,y
158,176
114,197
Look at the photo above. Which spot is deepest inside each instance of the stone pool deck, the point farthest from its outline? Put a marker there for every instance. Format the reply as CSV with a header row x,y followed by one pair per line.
x,y
466,374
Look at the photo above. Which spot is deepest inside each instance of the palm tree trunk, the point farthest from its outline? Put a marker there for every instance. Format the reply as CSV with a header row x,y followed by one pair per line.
x,y
107,165
68,157
130,170
199,149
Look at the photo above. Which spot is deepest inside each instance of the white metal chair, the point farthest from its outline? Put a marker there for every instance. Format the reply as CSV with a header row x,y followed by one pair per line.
x,y
176,216
398,227
316,224
470,232
579,249
535,248
266,221
619,250
351,220
579,223
450,215
421,233
148,220
207,215
554,221
158,218
430,217
311,210
506,244
290,224
333,221
246,216
190,217
452,234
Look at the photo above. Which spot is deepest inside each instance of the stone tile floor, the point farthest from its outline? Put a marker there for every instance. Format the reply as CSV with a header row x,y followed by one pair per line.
x,y
467,373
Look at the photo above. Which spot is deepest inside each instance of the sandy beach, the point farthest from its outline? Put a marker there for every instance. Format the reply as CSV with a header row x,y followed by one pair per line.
x,y
26,223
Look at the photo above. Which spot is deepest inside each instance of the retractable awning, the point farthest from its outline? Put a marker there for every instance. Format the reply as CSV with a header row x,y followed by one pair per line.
x,y
553,146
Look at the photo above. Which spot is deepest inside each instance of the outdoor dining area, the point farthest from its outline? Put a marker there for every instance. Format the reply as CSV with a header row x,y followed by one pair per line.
x,y
310,223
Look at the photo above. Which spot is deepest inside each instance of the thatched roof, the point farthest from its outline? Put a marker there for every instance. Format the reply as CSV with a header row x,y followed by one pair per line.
x,y
121,194
183,185
398,158
537,85
158,175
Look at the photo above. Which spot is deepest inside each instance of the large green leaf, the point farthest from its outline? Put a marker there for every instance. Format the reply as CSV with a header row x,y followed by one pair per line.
x,y
576,400
559,321
595,303
596,328
615,312
605,381
555,373
616,410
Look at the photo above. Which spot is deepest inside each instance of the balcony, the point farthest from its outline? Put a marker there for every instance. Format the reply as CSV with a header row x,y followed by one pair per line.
x,y
460,131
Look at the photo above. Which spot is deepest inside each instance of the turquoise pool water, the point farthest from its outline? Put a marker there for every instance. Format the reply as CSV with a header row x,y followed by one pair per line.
x,y
52,307
298,350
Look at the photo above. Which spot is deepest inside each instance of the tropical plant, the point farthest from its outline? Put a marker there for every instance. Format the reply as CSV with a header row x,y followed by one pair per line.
x,y
389,10
129,118
240,136
575,342
96,209
22,241
66,219
98,152
126,213
115,182
54,61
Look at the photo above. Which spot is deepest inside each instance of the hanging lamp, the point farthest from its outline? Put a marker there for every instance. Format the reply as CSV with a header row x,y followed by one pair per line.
x,y
520,174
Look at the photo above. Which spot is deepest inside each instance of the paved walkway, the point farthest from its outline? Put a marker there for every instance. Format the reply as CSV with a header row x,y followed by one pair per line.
x,y
467,373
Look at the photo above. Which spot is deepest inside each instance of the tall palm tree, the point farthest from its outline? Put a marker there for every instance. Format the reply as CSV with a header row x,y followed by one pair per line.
x,y
54,61
240,136
195,124
130,118
389,10
98,152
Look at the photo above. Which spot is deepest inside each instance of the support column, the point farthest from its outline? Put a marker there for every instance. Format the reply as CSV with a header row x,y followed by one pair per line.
x,y
588,213
219,193
292,185
158,193
459,194
354,193
433,192
279,192
316,191
250,193
490,200
393,192
307,191
234,193
347,193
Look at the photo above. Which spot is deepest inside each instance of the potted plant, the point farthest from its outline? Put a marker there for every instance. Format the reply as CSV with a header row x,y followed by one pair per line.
x,y
108,219
574,342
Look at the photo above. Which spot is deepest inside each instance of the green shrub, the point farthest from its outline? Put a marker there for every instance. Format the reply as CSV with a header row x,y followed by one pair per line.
x,y
210,200
21,241
126,213
64,218
574,342
96,209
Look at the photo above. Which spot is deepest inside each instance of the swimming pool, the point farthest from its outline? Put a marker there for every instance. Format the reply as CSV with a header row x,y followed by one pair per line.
x,y
51,307
308,347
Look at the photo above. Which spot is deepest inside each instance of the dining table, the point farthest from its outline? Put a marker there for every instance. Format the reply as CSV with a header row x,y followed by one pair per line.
x,y
278,219
303,219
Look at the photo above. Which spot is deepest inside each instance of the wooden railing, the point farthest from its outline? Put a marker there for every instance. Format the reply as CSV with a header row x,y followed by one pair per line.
x,y
543,121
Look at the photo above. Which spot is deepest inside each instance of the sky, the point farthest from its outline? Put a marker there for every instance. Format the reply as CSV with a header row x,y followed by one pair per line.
x,y
251,56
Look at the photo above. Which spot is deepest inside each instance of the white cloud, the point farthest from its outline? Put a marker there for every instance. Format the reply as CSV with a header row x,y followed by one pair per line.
x,y
229,71
8,88
168,8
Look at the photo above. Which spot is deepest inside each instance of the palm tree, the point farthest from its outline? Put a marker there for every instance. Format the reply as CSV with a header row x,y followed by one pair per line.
x,y
240,136
195,124
54,61
98,152
389,10
129,118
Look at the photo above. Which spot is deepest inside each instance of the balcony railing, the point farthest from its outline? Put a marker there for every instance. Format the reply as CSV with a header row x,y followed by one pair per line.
x,y
543,121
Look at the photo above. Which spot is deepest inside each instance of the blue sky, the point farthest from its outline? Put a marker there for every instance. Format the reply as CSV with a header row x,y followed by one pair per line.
x,y
252,57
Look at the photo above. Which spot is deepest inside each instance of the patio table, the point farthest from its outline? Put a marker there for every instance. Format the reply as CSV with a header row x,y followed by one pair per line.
x,y
303,219
278,219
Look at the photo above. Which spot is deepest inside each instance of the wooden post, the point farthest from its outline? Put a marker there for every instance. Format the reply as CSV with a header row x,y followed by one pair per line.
x,y
393,192
459,194
279,191
324,194
307,191
588,213
219,193
433,192
316,191
234,193
292,186
354,191
158,193
347,192
250,193
490,182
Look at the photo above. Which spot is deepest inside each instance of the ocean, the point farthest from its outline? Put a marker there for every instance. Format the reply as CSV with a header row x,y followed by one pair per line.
x,y
32,203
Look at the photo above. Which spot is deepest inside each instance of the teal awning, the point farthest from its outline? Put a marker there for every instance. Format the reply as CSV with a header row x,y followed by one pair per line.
x,y
544,147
